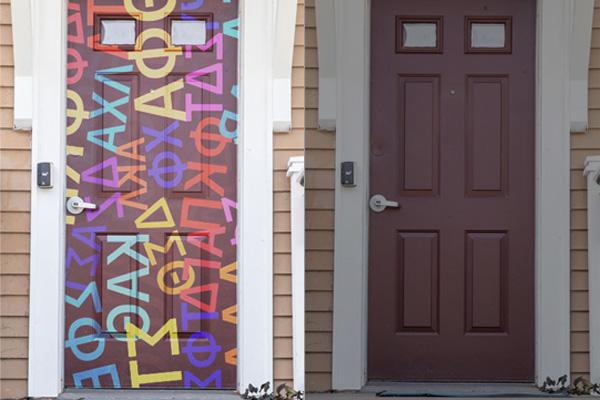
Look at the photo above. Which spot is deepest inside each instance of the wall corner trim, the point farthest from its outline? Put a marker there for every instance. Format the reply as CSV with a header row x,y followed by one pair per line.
x,y
295,173
592,173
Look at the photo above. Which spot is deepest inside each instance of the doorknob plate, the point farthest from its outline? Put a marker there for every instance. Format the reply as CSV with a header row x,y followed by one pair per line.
x,y
76,205
378,203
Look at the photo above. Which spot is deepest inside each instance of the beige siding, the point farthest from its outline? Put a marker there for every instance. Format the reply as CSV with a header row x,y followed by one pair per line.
x,y
320,171
15,178
583,145
286,145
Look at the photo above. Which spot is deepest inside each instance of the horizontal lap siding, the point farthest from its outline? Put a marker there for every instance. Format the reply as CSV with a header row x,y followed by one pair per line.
x,y
15,180
320,171
583,145
286,145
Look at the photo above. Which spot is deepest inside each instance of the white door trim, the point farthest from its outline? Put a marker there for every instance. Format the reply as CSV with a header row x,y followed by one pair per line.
x,y
255,184
255,194
46,282
553,122
352,45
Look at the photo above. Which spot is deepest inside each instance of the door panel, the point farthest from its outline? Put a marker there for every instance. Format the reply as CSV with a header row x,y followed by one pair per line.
x,y
486,135
486,283
419,268
451,272
151,140
419,98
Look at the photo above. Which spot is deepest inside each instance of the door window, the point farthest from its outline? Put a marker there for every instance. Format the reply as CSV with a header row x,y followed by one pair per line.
x,y
188,32
419,34
117,31
488,35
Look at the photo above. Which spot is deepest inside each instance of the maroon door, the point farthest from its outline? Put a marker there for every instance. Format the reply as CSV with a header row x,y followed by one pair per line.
x,y
451,271
151,141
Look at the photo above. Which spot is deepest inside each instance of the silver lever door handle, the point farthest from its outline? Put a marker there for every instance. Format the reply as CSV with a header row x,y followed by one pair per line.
x,y
379,203
76,205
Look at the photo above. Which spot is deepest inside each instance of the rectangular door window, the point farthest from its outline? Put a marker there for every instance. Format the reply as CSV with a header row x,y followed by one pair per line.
x,y
418,34
488,35
188,32
118,31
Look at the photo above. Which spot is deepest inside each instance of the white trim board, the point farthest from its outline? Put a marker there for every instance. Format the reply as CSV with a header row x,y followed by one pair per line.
x,y
255,195
352,19
255,185
592,173
580,45
325,10
285,29
47,247
553,122
22,55
295,173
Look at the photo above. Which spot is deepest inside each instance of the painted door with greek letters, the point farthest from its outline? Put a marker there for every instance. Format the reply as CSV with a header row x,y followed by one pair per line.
x,y
151,194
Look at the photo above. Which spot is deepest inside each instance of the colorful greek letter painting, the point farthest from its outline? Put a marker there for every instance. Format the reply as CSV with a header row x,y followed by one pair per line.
x,y
151,142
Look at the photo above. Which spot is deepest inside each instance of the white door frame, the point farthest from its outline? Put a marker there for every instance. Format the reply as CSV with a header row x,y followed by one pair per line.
x,y
556,107
255,184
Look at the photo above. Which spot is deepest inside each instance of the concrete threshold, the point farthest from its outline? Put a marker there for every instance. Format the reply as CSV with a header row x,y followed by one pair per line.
x,y
110,394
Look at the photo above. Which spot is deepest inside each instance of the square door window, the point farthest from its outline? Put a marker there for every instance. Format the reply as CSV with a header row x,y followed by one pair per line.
x,y
419,34
488,35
